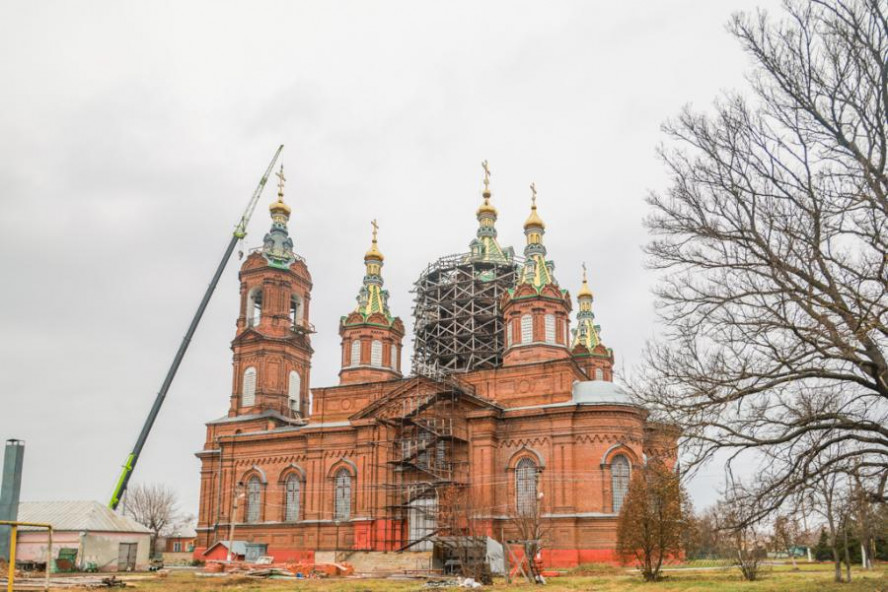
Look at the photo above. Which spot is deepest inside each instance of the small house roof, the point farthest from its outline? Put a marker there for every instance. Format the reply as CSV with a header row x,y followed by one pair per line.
x,y
237,547
77,516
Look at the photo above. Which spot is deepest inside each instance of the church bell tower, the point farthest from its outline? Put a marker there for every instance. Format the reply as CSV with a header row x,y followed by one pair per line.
x,y
272,346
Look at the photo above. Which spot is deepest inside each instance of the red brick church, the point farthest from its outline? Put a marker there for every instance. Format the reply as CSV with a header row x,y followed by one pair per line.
x,y
506,411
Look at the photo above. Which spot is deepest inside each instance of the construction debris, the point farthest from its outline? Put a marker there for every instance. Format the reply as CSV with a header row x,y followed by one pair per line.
x,y
88,582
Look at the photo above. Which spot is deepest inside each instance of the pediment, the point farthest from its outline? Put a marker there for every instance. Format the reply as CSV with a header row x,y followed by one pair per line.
x,y
415,388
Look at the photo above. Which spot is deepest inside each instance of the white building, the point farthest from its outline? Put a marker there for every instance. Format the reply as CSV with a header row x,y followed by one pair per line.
x,y
99,536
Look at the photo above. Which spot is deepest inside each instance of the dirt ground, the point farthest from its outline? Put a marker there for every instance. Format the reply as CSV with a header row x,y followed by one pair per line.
x,y
778,579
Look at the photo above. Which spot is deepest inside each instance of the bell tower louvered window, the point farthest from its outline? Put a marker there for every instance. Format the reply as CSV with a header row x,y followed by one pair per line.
x,y
248,393
376,353
355,353
295,391
526,329
550,328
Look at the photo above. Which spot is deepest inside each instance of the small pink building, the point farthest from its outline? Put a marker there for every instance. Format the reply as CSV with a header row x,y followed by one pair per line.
x,y
99,536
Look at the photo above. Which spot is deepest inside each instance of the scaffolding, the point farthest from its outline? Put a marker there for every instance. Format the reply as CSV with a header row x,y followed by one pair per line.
x,y
458,325
427,464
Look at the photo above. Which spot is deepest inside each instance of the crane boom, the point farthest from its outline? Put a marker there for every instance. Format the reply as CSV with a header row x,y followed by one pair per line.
x,y
239,233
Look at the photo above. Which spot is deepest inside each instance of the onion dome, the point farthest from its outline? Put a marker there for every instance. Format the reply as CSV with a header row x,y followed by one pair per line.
x,y
372,298
534,220
485,246
587,334
537,271
373,253
584,292
277,246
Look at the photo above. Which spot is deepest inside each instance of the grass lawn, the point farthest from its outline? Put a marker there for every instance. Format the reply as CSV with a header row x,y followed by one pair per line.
x,y
812,579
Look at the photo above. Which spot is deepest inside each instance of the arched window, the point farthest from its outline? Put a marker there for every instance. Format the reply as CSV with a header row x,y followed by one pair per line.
x,y
356,352
291,492
550,328
620,471
397,354
525,486
295,311
566,335
295,392
254,307
376,353
248,393
509,334
254,499
599,374
526,328
342,495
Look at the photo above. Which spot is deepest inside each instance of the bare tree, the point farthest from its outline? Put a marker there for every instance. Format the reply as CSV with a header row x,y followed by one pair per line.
x,y
652,521
743,539
773,239
527,520
828,497
156,507
786,535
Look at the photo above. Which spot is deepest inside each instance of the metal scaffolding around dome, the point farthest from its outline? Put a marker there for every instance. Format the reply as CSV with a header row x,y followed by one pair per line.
x,y
458,325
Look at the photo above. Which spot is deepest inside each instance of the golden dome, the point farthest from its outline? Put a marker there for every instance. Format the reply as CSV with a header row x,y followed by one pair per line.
x,y
584,289
279,207
534,218
486,207
374,252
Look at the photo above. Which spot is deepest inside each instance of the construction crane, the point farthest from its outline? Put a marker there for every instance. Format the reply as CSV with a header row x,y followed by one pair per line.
x,y
240,231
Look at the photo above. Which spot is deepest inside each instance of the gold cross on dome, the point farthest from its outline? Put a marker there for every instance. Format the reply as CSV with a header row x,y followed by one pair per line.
x,y
584,271
375,228
486,175
281,181
533,197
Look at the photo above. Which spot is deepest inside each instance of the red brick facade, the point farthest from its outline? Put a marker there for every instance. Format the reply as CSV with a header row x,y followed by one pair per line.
x,y
311,476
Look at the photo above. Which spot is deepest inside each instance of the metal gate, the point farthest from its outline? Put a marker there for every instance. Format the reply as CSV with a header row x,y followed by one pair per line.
x,y
126,556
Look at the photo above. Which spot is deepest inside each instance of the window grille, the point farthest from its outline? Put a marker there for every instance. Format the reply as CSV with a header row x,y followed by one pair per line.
x,y
620,471
599,374
525,487
248,395
292,498
254,499
508,333
342,497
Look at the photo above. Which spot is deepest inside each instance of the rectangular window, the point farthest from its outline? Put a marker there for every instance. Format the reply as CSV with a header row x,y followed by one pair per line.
x,y
177,547
550,328
526,329
376,354
356,352
509,334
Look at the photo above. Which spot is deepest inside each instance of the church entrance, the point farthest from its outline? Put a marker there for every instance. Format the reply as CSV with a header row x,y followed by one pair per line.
x,y
422,522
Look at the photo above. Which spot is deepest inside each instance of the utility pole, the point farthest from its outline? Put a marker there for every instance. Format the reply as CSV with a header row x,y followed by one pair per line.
x,y
238,494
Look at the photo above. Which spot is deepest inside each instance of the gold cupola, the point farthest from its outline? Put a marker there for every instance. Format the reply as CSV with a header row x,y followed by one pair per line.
x,y
279,207
484,247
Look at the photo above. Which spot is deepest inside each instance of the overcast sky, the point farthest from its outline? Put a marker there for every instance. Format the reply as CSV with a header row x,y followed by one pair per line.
x,y
132,135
